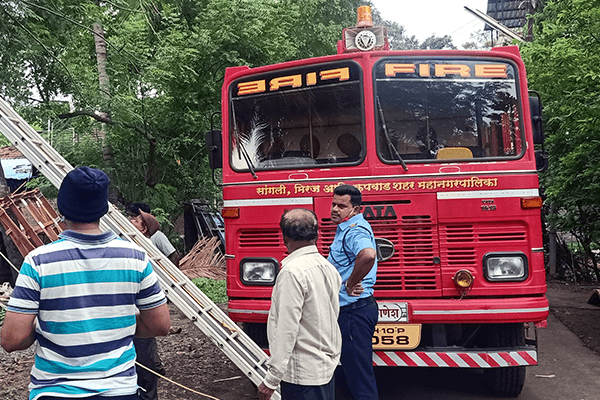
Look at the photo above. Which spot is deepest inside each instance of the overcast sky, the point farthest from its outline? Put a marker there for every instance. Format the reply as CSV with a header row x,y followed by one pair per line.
x,y
422,18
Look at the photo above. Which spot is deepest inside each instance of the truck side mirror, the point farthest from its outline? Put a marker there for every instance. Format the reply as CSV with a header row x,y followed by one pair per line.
x,y
215,151
535,107
541,160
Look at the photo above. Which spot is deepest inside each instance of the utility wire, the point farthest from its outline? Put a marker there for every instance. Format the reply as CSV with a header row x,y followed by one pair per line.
x,y
46,49
465,25
83,27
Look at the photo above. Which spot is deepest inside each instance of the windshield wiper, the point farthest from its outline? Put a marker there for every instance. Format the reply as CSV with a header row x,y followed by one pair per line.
x,y
391,147
240,143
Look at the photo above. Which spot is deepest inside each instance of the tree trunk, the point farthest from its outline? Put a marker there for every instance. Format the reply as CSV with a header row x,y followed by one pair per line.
x,y
104,86
103,80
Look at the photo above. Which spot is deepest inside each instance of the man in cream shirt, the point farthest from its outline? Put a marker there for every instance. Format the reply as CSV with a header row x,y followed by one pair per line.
x,y
304,335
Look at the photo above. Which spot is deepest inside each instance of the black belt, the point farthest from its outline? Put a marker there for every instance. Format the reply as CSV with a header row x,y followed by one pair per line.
x,y
360,303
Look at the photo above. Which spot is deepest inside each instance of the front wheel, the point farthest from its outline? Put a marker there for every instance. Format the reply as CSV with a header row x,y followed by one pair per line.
x,y
257,332
509,381
506,382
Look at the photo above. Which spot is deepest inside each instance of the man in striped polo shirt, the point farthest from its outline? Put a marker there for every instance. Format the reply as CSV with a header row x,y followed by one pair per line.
x,y
83,298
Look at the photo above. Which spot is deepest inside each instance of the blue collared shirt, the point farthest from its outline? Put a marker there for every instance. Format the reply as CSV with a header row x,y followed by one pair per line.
x,y
351,237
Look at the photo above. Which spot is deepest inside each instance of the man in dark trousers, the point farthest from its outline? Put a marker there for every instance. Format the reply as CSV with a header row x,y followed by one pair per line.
x,y
354,256
147,348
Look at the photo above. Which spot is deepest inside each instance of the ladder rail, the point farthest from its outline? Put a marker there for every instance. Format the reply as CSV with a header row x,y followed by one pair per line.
x,y
180,290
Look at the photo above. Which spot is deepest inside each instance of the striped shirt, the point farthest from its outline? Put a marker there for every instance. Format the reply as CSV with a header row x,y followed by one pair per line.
x,y
86,291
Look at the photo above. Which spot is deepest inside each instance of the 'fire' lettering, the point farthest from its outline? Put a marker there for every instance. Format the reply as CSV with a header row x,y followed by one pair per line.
x,y
292,80
343,74
393,69
491,70
452,69
251,87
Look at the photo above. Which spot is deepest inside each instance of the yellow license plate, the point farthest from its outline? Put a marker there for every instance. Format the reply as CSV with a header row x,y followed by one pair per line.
x,y
396,336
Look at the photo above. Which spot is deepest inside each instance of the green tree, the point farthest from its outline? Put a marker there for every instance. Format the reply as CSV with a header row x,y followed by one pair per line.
x,y
479,40
563,64
164,66
438,42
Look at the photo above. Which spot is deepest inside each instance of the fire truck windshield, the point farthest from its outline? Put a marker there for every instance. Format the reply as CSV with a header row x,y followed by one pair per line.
x,y
447,109
301,117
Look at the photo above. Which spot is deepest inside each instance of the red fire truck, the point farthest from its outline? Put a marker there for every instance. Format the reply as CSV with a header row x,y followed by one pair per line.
x,y
441,145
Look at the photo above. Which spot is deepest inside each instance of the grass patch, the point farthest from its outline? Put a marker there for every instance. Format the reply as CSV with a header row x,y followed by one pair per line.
x,y
215,290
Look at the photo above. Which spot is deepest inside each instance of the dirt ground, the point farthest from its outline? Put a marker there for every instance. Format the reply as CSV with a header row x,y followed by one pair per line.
x,y
193,361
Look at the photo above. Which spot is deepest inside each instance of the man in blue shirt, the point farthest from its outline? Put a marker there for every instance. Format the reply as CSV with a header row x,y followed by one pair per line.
x,y
354,256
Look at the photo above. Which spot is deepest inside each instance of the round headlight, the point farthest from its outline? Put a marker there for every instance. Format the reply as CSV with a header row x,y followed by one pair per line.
x,y
463,279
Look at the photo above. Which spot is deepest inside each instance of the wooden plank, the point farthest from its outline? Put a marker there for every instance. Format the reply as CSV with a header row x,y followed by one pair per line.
x,y
18,237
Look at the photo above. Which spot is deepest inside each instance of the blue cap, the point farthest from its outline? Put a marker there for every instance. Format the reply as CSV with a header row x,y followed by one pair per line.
x,y
83,195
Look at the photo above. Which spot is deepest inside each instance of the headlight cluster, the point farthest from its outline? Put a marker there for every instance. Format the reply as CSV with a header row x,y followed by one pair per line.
x,y
498,267
259,271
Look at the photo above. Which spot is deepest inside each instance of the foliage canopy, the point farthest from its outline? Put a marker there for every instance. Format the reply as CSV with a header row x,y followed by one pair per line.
x,y
165,62
563,64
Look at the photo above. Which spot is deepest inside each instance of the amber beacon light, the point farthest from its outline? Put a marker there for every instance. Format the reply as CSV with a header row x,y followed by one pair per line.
x,y
364,19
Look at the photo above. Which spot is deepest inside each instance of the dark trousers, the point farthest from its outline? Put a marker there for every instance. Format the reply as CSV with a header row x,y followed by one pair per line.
x,y
127,397
291,391
146,351
357,323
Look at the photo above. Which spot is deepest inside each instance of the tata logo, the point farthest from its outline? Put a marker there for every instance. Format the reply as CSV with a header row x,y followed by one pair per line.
x,y
379,212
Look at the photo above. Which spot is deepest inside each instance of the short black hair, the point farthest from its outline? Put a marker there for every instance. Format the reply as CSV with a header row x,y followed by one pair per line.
x,y
134,208
352,191
299,224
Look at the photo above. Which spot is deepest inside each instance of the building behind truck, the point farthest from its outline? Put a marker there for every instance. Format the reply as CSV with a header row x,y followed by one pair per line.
x,y
442,146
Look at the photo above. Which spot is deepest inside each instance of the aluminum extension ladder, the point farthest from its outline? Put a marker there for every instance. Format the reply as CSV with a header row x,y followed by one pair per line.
x,y
182,292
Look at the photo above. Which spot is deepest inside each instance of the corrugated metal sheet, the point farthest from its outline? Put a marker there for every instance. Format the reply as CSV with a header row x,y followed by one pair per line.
x,y
509,13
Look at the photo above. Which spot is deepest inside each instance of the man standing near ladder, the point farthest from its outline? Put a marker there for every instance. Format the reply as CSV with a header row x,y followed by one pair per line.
x,y
304,336
83,298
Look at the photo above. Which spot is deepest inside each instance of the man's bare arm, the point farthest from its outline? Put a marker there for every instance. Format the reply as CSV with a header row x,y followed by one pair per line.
x,y
153,322
18,331
265,392
174,257
363,264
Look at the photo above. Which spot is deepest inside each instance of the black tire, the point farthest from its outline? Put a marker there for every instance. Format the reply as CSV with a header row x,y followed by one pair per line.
x,y
258,333
506,382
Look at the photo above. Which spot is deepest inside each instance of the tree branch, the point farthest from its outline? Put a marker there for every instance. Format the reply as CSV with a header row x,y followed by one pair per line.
x,y
107,120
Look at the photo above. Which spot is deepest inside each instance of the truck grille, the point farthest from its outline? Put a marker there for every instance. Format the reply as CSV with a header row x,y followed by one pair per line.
x,y
412,267
459,241
260,238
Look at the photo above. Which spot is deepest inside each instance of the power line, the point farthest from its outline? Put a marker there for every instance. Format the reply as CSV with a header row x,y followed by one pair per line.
x,y
465,25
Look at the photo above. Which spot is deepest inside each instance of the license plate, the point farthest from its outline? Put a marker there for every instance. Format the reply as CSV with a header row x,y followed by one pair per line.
x,y
396,336
392,312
